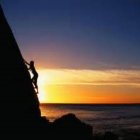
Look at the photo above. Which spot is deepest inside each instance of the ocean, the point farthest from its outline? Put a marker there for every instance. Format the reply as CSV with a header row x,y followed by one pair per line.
x,y
101,117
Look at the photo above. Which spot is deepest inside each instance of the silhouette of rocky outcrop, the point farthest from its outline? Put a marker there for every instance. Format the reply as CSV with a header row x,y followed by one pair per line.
x,y
19,105
69,125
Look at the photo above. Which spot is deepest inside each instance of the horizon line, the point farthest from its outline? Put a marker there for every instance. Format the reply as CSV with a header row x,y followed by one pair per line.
x,y
92,103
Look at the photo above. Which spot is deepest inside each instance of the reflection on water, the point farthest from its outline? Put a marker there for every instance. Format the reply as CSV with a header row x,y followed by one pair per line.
x,y
101,117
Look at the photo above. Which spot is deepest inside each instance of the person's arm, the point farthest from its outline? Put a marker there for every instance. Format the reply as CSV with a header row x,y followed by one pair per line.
x,y
26,62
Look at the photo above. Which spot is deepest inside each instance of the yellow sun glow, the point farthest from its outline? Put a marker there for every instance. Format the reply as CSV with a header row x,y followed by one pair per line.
x,y
42,82
88,86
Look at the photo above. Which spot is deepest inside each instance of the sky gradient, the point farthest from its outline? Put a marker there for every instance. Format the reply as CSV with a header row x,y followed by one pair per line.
x,y
86,51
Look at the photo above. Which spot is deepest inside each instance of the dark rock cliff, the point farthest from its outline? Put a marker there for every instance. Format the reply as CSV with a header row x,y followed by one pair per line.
x,y
17,95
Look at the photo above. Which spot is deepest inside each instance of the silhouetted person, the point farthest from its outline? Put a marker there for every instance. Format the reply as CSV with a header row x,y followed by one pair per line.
x,y
34,72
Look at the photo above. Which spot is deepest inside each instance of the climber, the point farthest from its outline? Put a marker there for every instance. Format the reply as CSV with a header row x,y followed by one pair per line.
x,y
34,72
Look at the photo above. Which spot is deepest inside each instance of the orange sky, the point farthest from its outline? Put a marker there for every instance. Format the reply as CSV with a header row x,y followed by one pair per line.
x,y
88,86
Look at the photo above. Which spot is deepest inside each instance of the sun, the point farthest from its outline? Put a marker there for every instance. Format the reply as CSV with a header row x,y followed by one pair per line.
x,y
42,82
42,95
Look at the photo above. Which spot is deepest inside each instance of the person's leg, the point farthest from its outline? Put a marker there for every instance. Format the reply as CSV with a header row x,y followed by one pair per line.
x,y
35,83
32,79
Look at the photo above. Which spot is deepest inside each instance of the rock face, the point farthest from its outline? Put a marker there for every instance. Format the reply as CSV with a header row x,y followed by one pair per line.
x,y
17,95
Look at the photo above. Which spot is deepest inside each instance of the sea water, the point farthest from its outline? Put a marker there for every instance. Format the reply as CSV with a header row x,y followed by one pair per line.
x,y
101,117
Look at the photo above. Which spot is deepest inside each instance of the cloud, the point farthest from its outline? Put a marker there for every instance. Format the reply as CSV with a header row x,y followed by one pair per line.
x,y
89,77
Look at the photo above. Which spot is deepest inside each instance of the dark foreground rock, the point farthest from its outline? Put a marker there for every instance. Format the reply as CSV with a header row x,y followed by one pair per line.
x,y
69,126
66,127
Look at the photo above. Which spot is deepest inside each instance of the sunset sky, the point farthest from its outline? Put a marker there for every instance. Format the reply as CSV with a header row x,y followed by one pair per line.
x,y
85,51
